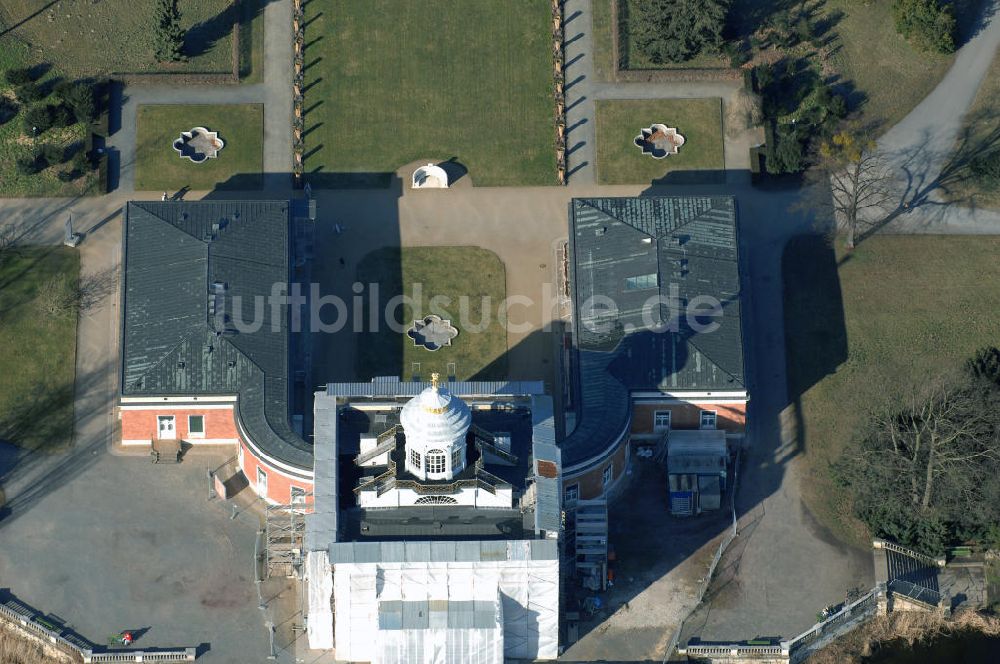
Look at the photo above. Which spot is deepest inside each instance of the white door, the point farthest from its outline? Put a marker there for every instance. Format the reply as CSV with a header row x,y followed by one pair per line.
x,y
166,427
261,483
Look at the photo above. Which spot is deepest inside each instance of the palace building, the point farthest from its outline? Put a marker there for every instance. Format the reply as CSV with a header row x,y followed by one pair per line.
x,y
198,363
656,342
435,527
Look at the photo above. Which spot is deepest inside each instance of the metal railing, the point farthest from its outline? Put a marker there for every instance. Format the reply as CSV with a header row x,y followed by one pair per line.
x,y
923,557
861,608
927,597
488,446
737,650
383,444
26,619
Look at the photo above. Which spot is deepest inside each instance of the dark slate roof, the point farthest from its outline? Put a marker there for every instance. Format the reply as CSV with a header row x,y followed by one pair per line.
x,y
684,247
172,342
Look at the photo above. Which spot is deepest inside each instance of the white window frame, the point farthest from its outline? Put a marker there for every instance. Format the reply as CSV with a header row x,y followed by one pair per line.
x,y
160,419
196,434
436,462
656,417
713,415
239,455
608,475
297,495
456,458
261,482
571,494
416,461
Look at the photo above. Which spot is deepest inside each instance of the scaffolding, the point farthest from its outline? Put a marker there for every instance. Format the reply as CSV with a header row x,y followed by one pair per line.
x,y
284,529
591,542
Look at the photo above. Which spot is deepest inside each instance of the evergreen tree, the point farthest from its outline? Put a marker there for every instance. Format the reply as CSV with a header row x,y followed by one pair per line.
x,y
169,36
930,24
677,30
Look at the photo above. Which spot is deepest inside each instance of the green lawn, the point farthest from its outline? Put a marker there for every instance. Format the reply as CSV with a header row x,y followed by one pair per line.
x,y
392,82
880,70
38,367
619,161
891,75
238,166
89,38
442,272
15,143
604,48
900,310
981,135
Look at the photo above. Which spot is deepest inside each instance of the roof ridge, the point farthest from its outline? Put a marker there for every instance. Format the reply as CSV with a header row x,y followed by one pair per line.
x,y
143,206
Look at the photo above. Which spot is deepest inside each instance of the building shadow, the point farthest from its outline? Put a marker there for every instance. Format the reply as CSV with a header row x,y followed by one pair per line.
x,y
815,333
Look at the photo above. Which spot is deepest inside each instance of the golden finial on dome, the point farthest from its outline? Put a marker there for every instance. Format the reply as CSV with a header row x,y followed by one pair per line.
x,y
434,380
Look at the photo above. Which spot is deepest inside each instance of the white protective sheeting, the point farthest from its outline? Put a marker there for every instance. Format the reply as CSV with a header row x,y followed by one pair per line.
x,y
529,599
440,632
319,580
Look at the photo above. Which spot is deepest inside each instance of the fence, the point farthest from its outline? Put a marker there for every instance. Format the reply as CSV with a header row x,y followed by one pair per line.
x,y
923,557
795,650
859,609
723,545
24,617
931,599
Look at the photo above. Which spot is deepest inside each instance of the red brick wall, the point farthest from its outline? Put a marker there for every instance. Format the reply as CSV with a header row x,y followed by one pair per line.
x,y
731,417
142,424
220,423
591,482
279,485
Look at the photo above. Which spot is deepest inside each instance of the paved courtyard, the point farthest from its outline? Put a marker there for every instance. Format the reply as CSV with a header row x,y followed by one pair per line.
x,y
120,543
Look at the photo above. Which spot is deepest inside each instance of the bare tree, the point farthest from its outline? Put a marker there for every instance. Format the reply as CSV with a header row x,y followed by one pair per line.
x,y
928,469
944,431
859,181
59,297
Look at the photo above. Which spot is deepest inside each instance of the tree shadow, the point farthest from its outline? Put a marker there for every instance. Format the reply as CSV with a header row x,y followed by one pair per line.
x,y
205,36
932,192
17,23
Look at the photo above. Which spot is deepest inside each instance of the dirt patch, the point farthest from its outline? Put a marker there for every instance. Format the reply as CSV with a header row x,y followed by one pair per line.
x,y
20,647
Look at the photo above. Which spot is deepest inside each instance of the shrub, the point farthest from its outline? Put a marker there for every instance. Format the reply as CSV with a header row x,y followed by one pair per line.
x,y
678,30
8,110
68,176
79,98
763,76
29,93
52,154
29,165
788,153
18,76
38,119
987,168
62,116
929,24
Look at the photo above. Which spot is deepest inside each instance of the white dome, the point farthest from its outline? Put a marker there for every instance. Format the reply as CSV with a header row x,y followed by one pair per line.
x,y
435,419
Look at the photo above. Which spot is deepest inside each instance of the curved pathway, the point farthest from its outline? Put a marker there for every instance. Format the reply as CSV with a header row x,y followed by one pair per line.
x,y
921,148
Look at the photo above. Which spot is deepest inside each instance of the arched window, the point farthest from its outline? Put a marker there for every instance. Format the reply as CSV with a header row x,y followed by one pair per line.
x,y
435,461
436,500
415,459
